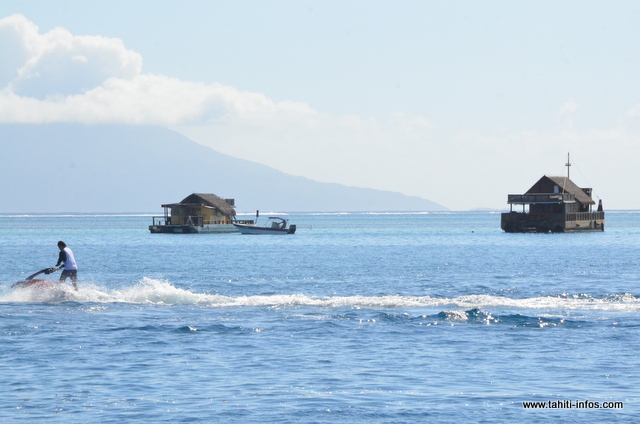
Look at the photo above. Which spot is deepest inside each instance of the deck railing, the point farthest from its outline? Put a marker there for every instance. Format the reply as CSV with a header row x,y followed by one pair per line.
x,y
584,216
198,221
228,221
216,222
159,220
541,198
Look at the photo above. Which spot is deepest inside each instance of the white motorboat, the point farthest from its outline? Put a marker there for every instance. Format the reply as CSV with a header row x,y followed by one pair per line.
x,y
275,225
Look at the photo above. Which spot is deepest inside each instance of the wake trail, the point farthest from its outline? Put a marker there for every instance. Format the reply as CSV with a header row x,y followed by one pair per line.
x,y
157,292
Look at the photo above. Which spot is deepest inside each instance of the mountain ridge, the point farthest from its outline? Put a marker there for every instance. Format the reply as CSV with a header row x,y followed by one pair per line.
x,y
76,168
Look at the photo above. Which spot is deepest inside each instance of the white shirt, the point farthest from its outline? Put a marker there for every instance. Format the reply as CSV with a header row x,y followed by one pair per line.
x,y
70,262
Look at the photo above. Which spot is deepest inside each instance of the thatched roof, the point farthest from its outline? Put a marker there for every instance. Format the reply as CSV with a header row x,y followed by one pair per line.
x,y
564,184
206,199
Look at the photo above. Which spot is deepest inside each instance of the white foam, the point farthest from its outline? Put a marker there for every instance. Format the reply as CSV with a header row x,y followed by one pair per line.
x,y
158,292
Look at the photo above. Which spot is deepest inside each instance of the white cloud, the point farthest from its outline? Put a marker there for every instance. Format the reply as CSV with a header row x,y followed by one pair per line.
x,y
148,99
567,113
634,112
59,63
569,107
16,39
57,76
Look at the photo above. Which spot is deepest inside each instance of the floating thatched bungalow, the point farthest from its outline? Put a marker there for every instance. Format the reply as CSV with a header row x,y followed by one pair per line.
x,y
555,204
197,213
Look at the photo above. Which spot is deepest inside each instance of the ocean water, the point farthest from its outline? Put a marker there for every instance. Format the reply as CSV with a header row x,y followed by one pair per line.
x,y
358,318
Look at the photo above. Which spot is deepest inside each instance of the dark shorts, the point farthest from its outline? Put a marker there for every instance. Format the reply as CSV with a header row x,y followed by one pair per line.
x,y
69,273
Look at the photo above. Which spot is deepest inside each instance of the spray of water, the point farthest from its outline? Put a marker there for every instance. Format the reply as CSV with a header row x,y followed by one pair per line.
x,y
159,292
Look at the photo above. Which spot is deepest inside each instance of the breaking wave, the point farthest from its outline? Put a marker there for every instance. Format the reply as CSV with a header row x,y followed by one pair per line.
x,y
157,292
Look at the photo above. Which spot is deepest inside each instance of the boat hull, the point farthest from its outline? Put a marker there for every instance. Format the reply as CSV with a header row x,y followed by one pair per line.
x,y
252,229
193,229
513,222
34,284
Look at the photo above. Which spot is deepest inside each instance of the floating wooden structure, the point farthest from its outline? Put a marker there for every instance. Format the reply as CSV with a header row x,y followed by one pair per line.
x,y
555,204
197,213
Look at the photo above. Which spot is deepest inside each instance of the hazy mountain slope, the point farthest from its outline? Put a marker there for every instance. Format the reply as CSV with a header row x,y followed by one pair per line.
x,y
119,168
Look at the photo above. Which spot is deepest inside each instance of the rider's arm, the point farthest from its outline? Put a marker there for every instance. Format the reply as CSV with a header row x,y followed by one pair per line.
x,y
62,257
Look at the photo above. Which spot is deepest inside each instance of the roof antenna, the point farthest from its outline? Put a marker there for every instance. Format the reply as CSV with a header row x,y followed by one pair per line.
x,y
568,165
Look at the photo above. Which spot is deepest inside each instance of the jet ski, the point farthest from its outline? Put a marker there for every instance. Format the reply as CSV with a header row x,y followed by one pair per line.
x,y
32,281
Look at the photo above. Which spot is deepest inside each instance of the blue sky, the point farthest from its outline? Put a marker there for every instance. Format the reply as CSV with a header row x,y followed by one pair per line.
x,y
459,102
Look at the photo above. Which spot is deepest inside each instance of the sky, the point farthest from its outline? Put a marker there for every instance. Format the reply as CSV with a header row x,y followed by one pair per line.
x,y
458,102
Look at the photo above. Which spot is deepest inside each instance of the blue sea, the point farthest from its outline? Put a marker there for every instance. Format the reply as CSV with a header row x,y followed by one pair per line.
x,y
356,318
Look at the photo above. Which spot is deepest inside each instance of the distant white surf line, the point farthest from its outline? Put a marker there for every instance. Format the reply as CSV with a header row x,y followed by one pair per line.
x,y
157,292
80,215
